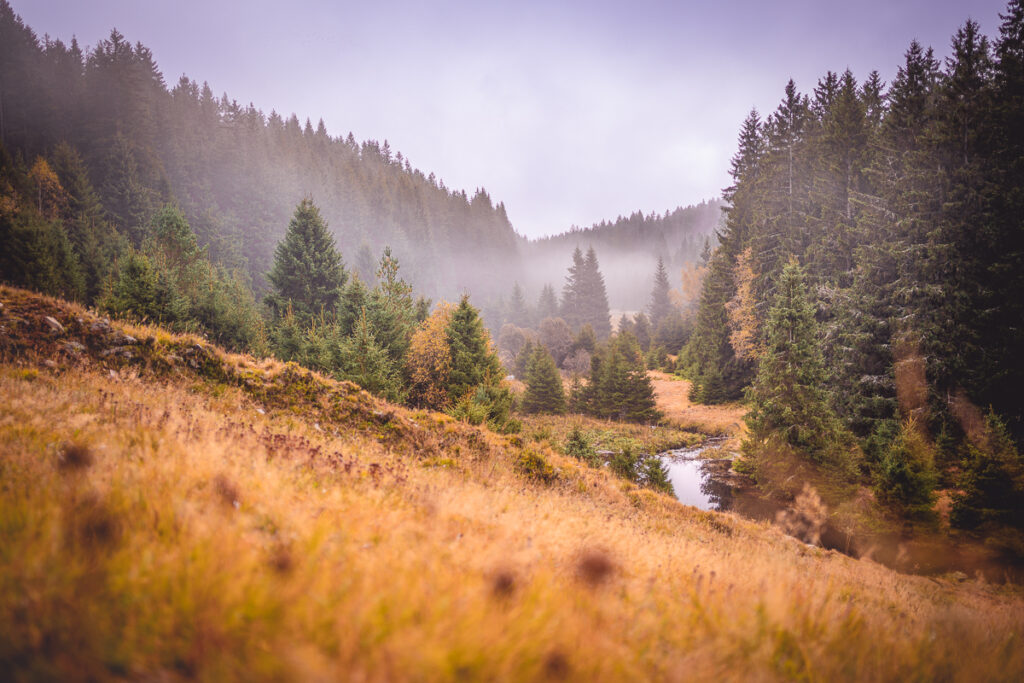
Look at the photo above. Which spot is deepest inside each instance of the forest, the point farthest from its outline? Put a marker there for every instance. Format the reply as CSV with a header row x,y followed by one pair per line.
x,y
865,293
851,306
859,291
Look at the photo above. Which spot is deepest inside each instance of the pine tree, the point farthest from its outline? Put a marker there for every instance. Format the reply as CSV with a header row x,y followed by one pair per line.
x,y
544,391
369,366
518,313
593,298
307,272
573,292
788,402
547,305
660,305
473,361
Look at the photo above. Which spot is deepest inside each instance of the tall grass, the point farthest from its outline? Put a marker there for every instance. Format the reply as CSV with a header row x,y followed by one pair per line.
x,y
169,530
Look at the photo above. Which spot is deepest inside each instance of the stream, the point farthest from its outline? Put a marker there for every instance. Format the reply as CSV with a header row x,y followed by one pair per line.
x,y
708,483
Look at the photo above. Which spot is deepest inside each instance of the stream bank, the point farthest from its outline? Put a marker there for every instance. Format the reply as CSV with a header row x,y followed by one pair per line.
x,y
702,476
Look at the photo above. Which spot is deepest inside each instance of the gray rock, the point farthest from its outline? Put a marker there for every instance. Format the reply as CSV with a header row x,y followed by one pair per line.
x,y
122,351
100,327
53,325
73,347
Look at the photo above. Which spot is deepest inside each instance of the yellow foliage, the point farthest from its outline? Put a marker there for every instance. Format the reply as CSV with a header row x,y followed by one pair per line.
x,y
50,196
429,361
692,279
742,316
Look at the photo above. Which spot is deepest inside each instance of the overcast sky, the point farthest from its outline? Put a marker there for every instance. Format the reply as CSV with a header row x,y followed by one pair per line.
x,y
568,112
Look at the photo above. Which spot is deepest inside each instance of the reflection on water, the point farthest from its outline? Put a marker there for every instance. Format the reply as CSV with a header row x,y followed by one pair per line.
x,y
695,483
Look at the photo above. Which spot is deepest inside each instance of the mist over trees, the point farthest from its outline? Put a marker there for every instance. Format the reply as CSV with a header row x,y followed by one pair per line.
x,y
895,209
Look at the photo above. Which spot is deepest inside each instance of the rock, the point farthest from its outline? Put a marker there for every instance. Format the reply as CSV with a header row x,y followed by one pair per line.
x,y
53,324
126,340
72,347
50,364
122,351
100,327
958,577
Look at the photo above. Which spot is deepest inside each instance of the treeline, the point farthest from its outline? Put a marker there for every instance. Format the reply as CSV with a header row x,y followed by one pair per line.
x,y
572,336
236,172
867,285
629,245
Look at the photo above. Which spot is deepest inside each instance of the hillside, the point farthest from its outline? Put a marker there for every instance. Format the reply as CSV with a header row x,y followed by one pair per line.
x,y
629,248
236,171
170,510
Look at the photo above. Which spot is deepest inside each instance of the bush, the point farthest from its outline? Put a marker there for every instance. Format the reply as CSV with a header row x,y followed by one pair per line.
x,y
578,446
533,466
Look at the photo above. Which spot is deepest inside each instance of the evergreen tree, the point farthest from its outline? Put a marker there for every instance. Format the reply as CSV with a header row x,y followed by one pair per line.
x,y
573,292
369,365
473,362
660,305
544,392
547,305
593,299
307,272
788,402
518,313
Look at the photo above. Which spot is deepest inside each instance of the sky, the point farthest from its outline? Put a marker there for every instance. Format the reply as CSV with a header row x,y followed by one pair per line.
x,y
568,112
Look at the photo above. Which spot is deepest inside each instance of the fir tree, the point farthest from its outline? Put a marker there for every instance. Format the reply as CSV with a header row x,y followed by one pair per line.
x,y
544,392
473,363
369,366
547,305
307,272
788,402
593,299
660,305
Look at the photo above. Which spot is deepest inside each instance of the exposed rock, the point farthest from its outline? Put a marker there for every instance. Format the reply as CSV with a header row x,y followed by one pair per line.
x,y
52,323
125,340
72,347
100,327
122,351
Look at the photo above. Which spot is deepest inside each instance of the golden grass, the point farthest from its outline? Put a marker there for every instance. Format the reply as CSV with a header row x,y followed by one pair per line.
x,y
206,540
553,430
672,396
169,526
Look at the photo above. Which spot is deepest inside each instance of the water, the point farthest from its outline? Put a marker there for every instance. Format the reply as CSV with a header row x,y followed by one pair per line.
x,y
708,484
695,483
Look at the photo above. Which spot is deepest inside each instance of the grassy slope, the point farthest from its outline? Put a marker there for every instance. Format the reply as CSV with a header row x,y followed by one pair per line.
x,y
245,521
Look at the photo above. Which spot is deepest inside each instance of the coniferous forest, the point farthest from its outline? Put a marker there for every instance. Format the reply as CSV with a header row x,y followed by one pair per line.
x,y
838,337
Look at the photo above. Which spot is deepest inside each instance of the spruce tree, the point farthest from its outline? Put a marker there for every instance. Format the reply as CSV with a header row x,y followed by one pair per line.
x,y
573,292
368,364
544,391
473,363
788,402
594,298
547,305
660,305
518,313
307,272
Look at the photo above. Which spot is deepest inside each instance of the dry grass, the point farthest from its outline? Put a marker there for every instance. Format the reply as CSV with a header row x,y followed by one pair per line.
x,y
206,540
672,396
210,536
553,430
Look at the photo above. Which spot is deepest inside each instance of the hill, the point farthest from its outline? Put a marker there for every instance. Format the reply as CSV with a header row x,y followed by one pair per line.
x,y
629,248
169,509
238,172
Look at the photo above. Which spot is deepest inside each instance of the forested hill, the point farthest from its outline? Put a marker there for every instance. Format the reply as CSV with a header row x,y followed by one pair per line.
x,y
236,172
629,248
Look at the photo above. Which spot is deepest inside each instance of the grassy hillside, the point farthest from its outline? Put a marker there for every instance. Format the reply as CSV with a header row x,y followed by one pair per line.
x,y
169,510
